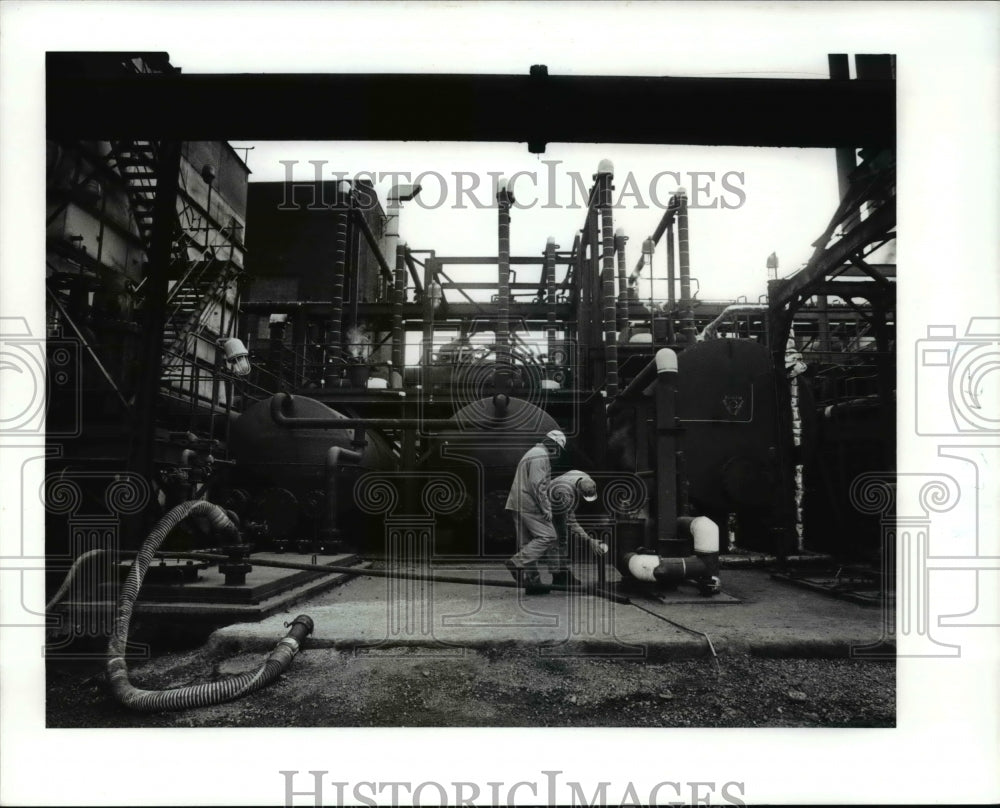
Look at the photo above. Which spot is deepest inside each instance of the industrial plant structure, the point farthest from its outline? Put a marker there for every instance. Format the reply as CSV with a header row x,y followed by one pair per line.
x,y
315,378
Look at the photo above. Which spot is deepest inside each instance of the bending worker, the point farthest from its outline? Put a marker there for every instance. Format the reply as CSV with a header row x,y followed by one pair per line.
x,y
565,492
531,508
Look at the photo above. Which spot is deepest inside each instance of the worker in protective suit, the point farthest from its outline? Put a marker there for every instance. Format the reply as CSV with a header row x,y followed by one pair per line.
x,y
565,493
531,508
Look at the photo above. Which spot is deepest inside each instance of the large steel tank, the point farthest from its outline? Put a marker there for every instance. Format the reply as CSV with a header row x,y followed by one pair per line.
x,y
284,470
727,408
484,449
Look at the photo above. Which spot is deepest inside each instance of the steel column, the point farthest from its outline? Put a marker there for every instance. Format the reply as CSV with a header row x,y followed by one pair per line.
x,y
168,166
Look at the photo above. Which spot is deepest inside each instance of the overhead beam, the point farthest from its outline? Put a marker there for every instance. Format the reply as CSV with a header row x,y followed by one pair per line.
x,y
536,109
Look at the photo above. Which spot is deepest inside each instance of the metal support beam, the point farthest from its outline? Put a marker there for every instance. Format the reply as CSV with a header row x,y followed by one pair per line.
x,y
705,111
168,168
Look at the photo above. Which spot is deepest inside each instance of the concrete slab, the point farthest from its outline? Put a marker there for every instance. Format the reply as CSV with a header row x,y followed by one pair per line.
x,y
370,615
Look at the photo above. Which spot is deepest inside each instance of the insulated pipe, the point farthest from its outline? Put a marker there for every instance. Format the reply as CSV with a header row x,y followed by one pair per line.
x,y
666,453
428,336
651,568
280,402
637,387
398,302
666,222
671,270
359,218
196,695
687,312
503,371
335,457
705,535
334,337
550,297
605,175
648,247
710,330
623,306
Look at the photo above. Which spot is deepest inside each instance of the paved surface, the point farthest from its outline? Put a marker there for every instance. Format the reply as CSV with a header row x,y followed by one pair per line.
x,y
756,615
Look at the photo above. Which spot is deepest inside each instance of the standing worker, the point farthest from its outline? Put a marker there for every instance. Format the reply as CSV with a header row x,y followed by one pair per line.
x,y
531,508
565,492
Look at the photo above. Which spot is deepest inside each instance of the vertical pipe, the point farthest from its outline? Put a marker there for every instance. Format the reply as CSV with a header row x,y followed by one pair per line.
x,y
666,454
276,334
503,367
592,282
623,307
687,312
398,301
336,456
671,271
428,346
648,247
605,175
336,323
671,282
550,297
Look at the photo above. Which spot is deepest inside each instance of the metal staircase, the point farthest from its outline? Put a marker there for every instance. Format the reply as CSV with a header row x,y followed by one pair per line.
x,y
201,268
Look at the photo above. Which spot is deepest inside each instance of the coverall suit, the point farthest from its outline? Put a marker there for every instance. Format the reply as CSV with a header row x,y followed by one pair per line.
x,y
529,504
563,496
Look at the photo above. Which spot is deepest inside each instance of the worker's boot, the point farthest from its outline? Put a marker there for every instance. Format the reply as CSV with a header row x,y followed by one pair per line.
x,y
533,583
565,578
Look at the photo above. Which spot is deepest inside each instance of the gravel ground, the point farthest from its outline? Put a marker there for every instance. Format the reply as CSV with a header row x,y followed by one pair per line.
x,y
324,687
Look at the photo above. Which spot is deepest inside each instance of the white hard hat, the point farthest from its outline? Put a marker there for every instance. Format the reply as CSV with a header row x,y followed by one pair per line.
x,y
556,436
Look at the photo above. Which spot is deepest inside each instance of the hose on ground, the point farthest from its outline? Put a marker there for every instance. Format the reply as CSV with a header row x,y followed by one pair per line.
x,y
203,695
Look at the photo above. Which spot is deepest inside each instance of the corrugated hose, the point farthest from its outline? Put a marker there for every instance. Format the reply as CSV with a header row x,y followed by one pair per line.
x,y
183,698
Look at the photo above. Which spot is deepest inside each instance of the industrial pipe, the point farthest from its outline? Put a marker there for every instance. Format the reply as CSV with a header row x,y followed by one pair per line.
x,y
196,695
666,222
550,296
335,457
640,383
398,574
503,370
398,301
359,218
605,175
709,331
701,567
334,338
684,255
648,248
666,453
280,402
623,304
